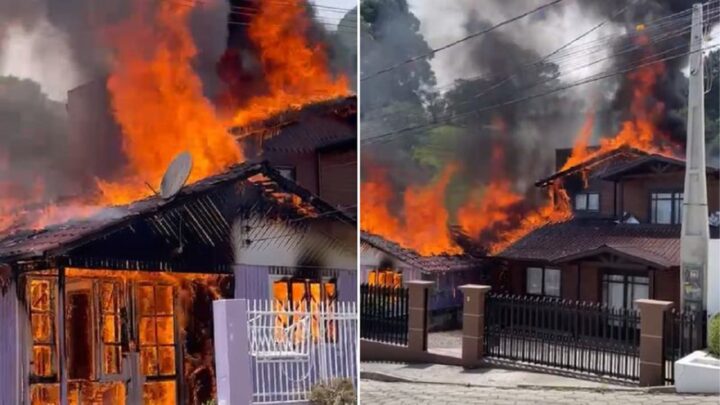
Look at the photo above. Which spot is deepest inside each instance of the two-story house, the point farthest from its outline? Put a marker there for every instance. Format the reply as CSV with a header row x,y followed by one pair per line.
x,y
623,240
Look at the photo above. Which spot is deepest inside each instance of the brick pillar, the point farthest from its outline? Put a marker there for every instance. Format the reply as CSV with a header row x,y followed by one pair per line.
x,y
473,323
652,318
418,314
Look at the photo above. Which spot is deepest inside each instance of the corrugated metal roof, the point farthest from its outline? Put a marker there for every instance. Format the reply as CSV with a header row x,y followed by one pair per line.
x,y
38,243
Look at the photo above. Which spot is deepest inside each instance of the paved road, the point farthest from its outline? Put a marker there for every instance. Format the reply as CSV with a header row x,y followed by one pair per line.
x,y
382,393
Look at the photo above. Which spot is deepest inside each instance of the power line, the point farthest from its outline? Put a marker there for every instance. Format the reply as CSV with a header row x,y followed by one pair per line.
x,y
517,100
459,41
573,68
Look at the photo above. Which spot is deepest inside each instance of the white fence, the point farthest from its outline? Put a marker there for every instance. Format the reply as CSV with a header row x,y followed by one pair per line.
x,y
287,349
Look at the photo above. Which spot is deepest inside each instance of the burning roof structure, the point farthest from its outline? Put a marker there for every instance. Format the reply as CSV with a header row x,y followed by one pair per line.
x,y
392,252
159,259
200,211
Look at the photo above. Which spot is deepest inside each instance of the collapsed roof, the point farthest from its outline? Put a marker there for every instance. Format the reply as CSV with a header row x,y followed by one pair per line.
x,y
441,262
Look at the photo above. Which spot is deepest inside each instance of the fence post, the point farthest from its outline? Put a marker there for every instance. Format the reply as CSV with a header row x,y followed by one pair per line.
x,y
652,318
418,314
232,352
473,323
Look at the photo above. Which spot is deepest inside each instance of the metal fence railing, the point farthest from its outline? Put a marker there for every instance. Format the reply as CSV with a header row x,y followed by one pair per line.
x,y
583,337
384,314
295,346
684,333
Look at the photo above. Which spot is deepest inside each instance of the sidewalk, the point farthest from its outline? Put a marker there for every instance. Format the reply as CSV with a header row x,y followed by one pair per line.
x,y
383,393
482,377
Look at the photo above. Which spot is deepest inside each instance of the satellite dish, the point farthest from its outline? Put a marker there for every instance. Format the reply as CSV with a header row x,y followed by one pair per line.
x,y
176,175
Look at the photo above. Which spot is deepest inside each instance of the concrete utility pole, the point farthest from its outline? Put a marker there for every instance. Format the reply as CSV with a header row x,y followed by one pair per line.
x,y
695,233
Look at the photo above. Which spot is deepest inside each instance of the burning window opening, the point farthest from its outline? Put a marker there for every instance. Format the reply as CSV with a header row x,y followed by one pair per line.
x,y
293,294
385,278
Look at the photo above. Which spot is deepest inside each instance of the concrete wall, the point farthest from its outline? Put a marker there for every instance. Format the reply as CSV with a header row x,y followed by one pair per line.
x,y
714,276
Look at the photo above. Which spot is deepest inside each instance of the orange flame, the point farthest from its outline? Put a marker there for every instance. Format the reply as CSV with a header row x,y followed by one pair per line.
x,y
639,132
557,209
158,101
296,71
423,226
487,208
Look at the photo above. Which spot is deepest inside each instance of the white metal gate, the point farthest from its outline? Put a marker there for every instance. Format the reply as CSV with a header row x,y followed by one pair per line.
x,y
295,346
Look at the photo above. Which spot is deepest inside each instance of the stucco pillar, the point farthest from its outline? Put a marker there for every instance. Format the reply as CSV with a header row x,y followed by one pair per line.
x,y
652,318
418,314
473,323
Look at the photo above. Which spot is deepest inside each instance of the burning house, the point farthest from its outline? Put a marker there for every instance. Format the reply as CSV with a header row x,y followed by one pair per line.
x,y
383,262
621,239
118,306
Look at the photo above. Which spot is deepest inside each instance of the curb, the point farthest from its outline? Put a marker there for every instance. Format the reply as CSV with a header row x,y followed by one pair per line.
x,y
389,378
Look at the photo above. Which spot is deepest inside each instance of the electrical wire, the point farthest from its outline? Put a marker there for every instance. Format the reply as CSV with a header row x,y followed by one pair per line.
x,y
518,100
461,40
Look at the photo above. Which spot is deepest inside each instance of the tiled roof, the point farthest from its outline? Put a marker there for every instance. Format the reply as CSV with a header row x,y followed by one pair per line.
x,y
412,258
653,244
36,243
599,164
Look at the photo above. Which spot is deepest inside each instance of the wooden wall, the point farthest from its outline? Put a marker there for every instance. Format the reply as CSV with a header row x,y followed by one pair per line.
x,y
10,346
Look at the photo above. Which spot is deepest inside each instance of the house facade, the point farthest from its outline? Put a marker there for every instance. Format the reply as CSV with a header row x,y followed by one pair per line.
x,y
383,262
316,146
623,240
117,308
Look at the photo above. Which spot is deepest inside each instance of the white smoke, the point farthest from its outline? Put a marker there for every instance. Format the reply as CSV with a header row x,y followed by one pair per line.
x,y
39,53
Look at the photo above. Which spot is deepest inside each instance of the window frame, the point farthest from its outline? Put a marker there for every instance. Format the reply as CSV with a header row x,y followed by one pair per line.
x,y
139,315
52,343
587,195
676,205
543,290
628,281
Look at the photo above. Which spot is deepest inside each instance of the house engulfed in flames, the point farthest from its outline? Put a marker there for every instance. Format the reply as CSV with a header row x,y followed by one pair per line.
x,y
117,307
383,262
622,241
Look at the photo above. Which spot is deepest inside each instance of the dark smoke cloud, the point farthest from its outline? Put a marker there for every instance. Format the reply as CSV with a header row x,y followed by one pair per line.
x,y
34,143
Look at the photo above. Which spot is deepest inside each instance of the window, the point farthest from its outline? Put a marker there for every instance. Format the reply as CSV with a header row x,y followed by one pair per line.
x,y
543,281
157,330
587,202
387,278
303,295
621,290
42,321
111,327
666,208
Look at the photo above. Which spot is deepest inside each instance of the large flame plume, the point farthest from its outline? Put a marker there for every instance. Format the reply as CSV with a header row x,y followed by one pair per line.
x,y
157,100
423,225
296,71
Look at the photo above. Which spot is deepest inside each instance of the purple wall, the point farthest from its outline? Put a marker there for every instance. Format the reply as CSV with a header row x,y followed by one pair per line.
x,y
9,340
253,282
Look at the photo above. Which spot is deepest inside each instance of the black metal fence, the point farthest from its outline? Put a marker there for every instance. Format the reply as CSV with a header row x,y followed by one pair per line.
x,y
583,337
684,333
384,314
